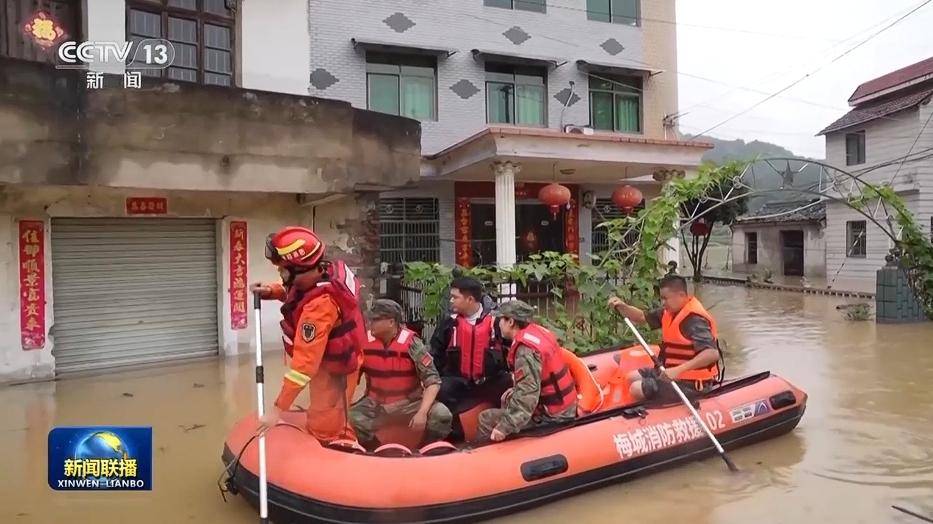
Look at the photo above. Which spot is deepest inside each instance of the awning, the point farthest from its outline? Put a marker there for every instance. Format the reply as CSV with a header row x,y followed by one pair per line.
x,y
604,67
511,58
392,47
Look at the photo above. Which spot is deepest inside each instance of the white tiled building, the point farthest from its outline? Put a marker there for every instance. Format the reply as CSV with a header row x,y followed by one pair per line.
x,y
887,138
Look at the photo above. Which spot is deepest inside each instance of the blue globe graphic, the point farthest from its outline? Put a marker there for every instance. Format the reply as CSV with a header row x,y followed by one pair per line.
x,y
101,445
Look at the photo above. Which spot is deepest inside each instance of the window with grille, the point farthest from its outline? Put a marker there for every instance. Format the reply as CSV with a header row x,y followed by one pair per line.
x,y
201,31
604,211
408,230
856,241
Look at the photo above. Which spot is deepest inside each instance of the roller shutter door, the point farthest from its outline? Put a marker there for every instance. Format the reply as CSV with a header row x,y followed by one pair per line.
x,y
133,291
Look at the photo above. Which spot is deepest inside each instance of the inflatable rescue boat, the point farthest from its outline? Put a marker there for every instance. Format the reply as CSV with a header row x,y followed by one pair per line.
x,y
612,440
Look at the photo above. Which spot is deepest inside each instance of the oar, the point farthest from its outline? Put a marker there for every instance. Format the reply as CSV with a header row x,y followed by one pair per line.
x,y
263,494
683,398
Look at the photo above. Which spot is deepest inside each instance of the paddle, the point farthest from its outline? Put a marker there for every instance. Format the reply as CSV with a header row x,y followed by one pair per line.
x,y
683,398
263,494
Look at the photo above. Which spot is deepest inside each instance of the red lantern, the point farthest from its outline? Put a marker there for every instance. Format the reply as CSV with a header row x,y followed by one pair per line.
x,y
554,196
699,228
627,197
43,29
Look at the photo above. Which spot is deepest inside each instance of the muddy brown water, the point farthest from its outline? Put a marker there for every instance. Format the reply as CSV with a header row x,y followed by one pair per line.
x,y
865,443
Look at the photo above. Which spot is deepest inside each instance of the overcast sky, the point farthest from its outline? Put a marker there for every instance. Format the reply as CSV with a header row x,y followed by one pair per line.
x,y
767,45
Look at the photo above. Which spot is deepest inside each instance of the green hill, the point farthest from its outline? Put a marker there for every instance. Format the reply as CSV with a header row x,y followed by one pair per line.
x,y
764,177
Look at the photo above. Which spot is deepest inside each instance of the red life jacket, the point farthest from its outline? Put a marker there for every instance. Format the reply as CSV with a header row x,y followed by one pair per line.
x,y
390,372
677,349
558,390
472,341
345,341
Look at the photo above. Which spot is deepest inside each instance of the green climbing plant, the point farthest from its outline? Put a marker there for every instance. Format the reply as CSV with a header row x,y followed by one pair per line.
x,y
913,248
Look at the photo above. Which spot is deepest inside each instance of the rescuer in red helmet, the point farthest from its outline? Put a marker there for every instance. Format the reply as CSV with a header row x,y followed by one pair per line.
x,y
322,328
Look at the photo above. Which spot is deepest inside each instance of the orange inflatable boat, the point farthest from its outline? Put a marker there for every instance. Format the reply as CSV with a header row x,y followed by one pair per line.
x,y
612,442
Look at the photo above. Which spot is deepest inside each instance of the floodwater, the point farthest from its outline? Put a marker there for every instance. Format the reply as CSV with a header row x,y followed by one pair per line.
x,y
865,443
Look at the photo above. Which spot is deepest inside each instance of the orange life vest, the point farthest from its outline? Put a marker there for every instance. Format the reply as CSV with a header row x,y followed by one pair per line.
x,y
677,349
345,341
472,341
390,372
558,391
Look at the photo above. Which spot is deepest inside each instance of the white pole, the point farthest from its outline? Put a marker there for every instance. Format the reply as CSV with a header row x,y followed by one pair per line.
x,y
505,218
260,402
683,398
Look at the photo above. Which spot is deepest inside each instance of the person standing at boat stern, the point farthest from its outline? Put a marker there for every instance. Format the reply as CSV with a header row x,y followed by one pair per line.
x,y
400,379
322,329
689,343
467,350
544,390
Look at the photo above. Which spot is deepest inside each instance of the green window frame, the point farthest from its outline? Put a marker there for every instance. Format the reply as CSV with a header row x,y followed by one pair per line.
x,y
538,6
402,85
516,95
627,12
616,103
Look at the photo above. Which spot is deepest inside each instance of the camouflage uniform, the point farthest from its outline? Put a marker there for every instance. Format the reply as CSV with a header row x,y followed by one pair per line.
x,y
367,415
520,410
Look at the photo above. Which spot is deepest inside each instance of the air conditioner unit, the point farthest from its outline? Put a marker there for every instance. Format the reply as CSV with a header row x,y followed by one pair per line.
x,y
578,130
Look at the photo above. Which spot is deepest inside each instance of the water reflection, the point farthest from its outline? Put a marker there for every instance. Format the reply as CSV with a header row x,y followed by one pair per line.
x,y
865,443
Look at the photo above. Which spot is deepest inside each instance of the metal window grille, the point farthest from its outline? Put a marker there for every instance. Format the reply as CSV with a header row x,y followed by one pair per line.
x,y
409,230
604,211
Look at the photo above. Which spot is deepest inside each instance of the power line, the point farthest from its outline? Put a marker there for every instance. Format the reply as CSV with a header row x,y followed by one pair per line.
x,y
551,4
818,69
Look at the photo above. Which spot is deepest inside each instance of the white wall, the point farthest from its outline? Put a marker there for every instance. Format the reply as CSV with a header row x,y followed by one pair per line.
x,y
263,213
275,46
770,253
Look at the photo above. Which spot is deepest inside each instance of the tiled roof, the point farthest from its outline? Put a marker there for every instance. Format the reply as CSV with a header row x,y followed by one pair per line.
x,y
784,212
875,110
894,78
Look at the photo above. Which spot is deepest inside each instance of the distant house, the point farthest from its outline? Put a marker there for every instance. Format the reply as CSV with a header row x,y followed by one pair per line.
x,y
886,138
785,237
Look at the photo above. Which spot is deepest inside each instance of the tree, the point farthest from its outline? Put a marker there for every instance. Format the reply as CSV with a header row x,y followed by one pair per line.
x,y
721,203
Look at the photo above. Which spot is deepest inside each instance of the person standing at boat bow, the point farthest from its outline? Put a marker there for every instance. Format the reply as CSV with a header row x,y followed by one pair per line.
x,y
544,390
689,343
400,378
322,329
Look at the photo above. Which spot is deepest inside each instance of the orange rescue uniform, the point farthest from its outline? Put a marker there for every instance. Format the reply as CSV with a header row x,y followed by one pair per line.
x,y
330,394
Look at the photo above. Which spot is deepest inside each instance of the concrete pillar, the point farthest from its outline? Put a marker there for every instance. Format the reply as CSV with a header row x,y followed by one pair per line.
x,y
505,217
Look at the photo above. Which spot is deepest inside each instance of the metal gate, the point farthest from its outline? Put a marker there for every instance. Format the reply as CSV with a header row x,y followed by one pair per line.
x,y
133,291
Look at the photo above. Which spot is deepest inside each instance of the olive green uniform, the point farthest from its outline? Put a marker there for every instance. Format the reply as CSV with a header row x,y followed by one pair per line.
x,y
520,410
367,415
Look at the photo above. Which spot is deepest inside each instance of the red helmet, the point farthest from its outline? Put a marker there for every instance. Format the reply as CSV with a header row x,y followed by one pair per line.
x,y
296,247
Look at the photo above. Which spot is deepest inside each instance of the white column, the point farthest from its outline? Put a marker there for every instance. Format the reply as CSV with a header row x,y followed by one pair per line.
x,y
505,216
672,251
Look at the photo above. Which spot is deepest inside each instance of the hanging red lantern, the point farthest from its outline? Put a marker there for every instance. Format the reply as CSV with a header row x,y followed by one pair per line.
x,y
43,29
627,197
699,228
554,196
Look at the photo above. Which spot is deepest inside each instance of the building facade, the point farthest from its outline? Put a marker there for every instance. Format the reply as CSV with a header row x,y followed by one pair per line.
x,y
786,239
133,219
886,138
511,95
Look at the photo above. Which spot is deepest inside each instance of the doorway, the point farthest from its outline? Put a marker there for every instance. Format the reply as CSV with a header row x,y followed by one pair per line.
x,y
792,250
535,228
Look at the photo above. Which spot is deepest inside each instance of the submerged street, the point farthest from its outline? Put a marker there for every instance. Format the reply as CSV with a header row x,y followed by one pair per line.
x,y
864,444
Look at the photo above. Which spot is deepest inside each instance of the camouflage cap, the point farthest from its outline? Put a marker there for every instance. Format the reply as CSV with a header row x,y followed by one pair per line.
x,y
516,310
385,308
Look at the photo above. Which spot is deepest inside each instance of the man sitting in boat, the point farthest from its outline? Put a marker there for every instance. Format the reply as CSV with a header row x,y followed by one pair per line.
x,y
400,380
467,350
689,347
322,328
544,390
